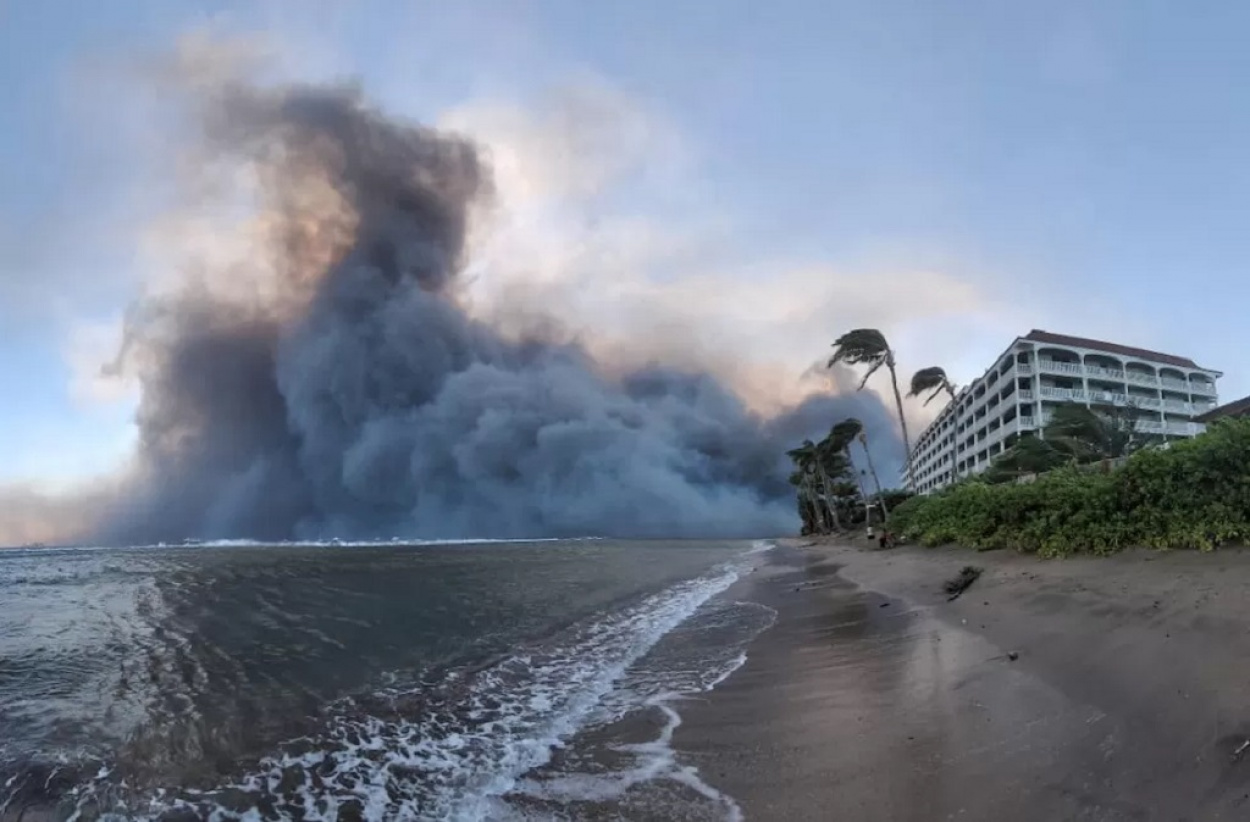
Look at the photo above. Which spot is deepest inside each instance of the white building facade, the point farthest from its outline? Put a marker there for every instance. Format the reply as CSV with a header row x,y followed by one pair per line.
x,y
1040,371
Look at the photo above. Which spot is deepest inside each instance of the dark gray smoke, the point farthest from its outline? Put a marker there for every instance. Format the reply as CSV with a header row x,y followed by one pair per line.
x,y
335,386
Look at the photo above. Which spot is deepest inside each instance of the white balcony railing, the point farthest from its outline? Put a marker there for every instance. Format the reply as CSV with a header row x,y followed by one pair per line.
x,y
1025,395
1182,429
1050,393
1108,397
1105,373
1057,367
1115,398
1135,377
1024,368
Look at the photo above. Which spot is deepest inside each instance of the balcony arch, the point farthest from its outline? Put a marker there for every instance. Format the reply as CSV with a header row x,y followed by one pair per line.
x,y
1200,383
1104,361
1104,367
1141,375
1052,354
1173,379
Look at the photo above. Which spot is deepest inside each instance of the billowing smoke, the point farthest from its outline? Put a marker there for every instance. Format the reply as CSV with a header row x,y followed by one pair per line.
x,y
334,384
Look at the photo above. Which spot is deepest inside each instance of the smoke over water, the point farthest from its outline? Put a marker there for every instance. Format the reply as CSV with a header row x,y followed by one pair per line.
x,y
331,382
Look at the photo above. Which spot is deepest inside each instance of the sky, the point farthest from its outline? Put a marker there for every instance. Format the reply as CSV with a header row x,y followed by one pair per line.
x,y
760,176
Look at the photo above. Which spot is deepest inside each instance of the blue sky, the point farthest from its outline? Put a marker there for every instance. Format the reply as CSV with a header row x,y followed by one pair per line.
x,y
1073,166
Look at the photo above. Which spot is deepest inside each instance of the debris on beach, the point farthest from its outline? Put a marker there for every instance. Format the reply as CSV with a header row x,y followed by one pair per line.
x,y
1013,655
955,586
1241,749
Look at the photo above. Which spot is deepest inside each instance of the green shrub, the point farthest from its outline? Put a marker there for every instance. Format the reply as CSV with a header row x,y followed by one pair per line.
x,y
1195,494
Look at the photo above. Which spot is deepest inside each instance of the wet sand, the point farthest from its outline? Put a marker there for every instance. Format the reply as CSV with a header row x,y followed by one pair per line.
x,y
874,698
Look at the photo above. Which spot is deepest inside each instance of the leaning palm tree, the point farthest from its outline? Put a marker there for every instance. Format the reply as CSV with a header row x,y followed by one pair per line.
x,y
863,441
868,346
851,430
842,435
807,511
933,380
1086,435
831,464
806,458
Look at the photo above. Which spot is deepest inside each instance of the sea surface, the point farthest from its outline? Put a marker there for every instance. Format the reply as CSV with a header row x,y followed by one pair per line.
x,y
361,681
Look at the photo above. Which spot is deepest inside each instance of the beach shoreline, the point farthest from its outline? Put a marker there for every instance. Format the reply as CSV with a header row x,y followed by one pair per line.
x,y
1091,688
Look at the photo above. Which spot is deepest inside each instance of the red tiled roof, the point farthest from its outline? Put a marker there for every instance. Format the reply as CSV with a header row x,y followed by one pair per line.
x,y
1236,408
1123,350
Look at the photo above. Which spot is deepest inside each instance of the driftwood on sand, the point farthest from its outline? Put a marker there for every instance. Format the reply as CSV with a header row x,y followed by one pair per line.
x,y
956,585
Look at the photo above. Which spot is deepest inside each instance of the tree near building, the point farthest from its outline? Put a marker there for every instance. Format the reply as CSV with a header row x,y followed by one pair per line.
x,y
869,347
933,381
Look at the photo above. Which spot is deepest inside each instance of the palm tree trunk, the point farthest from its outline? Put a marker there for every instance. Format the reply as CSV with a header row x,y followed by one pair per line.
x,y
885,512
819,506
805,505
827,492
859,478
902,420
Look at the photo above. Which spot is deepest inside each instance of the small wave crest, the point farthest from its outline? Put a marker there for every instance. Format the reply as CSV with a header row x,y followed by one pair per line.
x,y
625,760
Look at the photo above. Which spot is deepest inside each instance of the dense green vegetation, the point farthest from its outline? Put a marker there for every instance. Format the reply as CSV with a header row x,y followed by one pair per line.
x,y
1193,494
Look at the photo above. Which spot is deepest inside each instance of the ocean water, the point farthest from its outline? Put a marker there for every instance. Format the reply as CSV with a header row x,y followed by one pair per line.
x,y
383,682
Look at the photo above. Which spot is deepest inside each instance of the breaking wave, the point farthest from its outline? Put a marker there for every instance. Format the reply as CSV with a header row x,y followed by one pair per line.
x,y
496,740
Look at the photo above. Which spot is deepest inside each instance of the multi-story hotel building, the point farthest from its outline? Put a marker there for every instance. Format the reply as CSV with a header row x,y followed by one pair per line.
x,y
1038,372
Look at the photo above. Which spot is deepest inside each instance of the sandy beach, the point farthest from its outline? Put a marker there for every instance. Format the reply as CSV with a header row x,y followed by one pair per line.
x,y
1083,689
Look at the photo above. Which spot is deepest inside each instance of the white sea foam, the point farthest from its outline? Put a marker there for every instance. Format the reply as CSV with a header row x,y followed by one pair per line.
x,y
693,659
455,751
463,748
652,761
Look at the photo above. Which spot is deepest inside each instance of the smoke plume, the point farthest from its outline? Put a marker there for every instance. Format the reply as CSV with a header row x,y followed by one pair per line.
x,y
330,381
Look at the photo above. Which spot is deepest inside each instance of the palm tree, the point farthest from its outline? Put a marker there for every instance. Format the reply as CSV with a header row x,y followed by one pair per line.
x,y
831,464
934,381
1087,436
806,458
806,511
842,435
931,379
863,441
1029,455
868,346
846,432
